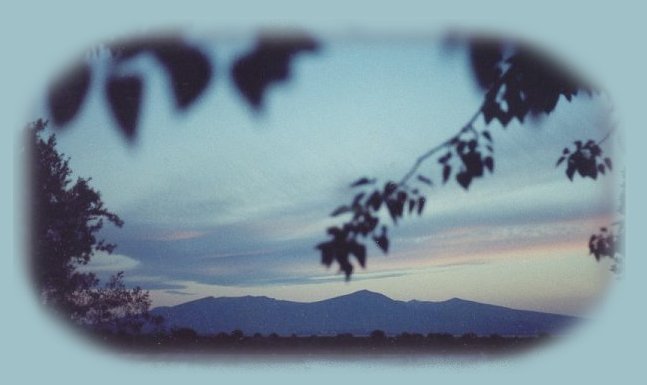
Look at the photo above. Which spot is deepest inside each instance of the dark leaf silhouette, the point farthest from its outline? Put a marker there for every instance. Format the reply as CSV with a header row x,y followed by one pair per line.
x,y
382,241
189,70
445,158
488,162
425,180
389,188
485,58
446,173
601,168
327,253
607,161
518,82
473,163
606,244
412,205
464,179
359,251
421,204
570,171
357,199
362,181
375,201
531,84
340,210
585,159
124,95
66,95
269,62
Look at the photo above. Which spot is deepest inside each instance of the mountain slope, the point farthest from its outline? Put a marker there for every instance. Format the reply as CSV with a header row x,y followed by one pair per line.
x,y
358,313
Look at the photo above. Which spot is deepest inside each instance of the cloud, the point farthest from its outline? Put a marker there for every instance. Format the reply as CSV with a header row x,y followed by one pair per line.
x,y
177,235
104,262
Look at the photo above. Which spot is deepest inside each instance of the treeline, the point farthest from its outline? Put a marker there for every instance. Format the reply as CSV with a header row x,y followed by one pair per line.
x,y
188,340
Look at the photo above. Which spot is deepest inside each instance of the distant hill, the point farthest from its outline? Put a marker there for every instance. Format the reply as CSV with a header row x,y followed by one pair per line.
x,y
358,313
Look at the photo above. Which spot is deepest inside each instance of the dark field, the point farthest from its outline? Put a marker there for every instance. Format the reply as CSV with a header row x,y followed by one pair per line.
x,y
187,343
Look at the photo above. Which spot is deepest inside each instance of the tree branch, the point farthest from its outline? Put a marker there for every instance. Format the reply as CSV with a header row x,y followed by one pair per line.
x,y
467,127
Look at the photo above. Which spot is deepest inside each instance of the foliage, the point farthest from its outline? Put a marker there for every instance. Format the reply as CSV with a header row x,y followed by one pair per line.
x,y
587,159
607,243
65,219
189,71
518,82
267,63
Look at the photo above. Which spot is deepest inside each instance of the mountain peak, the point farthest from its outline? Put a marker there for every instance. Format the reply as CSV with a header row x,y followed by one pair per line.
x,y
364,294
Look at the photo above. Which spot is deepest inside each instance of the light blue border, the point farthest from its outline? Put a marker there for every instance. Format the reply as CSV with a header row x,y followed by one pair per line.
x,y
601,40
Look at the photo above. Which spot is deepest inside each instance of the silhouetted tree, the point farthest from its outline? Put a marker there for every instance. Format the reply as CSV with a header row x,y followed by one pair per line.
x,y
184,334
237,335
65,219
378,334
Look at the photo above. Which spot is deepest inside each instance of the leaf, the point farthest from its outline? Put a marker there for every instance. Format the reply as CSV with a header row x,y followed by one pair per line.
x,y
607,161
487,135
446,172
392,207
340,210
374,201
382,242
188,68
389,187
269,62
601,168
488,162
335,231
570,171
412,205
560,160
485,56
359,251
357,198
425,180
566,151
362,181
473,163
464,179
327,253
445,158
421,204
125,95
66,95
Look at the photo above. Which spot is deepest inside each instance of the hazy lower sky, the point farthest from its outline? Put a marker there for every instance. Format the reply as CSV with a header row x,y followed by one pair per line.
x,y
222,201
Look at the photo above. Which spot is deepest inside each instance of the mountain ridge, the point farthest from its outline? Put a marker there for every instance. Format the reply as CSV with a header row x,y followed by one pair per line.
x,y
358,313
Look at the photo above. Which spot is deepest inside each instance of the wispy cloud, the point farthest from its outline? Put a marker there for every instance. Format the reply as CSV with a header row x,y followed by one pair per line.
x,y
104,262
178,235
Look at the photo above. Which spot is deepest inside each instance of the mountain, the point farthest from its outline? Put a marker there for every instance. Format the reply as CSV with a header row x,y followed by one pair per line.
x,y
358,313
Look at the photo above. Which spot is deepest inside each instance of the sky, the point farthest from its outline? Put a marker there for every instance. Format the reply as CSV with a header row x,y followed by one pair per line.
x,y
224,201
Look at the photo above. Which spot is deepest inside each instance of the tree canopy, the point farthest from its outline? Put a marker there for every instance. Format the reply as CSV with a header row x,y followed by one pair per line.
x,y
66,217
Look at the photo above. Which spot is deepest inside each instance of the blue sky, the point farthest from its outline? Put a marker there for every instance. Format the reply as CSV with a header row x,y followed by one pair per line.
x,y
224,201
